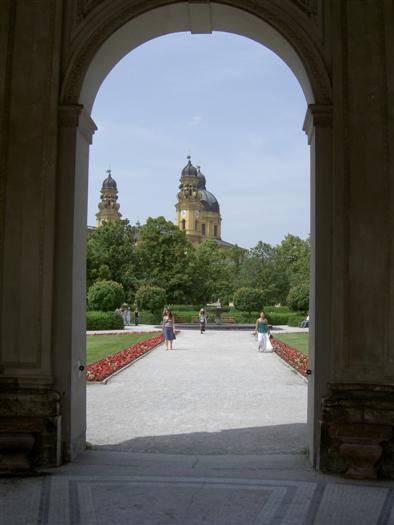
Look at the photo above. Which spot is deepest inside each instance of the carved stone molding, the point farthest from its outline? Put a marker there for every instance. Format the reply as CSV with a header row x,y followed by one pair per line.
x,y
110,18
84,7
73,116
310,7
317,115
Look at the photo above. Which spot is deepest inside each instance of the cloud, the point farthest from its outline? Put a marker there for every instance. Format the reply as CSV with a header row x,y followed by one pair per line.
x,y
195,121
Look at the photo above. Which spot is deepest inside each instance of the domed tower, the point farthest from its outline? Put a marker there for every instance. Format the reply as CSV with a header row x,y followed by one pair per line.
x,y
108,207
197,210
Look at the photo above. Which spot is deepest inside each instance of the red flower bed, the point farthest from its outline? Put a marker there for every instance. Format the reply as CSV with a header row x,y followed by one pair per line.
x,y
293,357
100,370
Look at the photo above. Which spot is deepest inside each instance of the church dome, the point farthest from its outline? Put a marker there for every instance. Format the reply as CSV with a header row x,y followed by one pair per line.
x,y
201,184
189,170
208,200
109,182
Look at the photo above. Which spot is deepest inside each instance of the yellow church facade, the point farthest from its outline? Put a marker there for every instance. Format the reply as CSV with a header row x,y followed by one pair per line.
x,y
197,209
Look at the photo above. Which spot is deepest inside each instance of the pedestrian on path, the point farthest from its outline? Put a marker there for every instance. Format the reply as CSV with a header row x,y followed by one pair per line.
x,y
202,319
136,316
263,333
168,327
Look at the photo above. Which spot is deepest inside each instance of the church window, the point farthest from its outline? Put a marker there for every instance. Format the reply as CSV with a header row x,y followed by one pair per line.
x,y
215,230
203,229
195,225
183,224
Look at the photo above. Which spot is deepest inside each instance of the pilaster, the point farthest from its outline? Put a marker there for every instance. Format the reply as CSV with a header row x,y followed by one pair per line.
x,y
30,418
318,126
75,134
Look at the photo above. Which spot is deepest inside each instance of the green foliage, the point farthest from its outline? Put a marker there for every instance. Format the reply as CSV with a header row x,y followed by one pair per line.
x,y
194,275
277,318
248,299
298,341
210,274
103,321
105,295
110,254
147,317
151,298
186,307
99,347
298,297
295,319
163,258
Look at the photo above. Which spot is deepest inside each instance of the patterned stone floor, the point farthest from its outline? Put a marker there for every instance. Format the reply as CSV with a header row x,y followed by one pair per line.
x,y
116,488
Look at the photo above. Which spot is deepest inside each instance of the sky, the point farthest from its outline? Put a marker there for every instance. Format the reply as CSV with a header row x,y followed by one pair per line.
x,y
227,101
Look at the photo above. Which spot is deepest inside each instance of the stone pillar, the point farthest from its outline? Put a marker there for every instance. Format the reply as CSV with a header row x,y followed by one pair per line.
x,y
30,417
75,135
318,126
357,418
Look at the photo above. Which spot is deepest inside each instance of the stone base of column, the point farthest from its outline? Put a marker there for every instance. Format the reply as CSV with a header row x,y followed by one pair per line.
x,y
357,431
30,428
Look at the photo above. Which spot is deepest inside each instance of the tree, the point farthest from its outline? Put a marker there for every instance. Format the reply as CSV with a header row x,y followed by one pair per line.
x,y
163,256
151,298
249,299
259,271
110,254
105,296
210,273
290,264
298,298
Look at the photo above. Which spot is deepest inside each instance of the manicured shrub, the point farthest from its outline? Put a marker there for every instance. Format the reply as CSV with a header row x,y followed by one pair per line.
x,y
248,299
105,296
298,297
295,319
147,317
103,321
277,318
185,307
151,298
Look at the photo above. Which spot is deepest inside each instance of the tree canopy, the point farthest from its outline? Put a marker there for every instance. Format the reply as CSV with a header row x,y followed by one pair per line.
x,y
159,254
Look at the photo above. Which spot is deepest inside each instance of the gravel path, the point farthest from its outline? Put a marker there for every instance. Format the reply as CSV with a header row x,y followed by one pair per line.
x,y
212,394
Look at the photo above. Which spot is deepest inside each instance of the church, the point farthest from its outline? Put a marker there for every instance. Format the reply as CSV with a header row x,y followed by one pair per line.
x,y
197,209
108,205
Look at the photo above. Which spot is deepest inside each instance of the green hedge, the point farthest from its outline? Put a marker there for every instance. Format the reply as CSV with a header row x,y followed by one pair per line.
x,y
96,320
147,317
194,308
185,307
295,319
276,317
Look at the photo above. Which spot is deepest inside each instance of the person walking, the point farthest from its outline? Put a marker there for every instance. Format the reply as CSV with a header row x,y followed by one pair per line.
x,y
202,318
136,316
168,323
263,332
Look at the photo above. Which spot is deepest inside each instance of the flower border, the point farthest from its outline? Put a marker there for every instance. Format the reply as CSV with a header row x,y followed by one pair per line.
x,y
102,369
291,356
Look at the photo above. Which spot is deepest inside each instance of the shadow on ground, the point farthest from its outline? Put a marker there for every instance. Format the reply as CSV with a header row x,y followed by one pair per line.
x,y
278,439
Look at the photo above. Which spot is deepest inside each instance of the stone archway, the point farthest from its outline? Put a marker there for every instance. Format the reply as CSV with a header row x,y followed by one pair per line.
x,y
102,38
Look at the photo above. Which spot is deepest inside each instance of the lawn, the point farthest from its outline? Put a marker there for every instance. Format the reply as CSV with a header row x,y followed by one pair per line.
x,y
99,346
298,341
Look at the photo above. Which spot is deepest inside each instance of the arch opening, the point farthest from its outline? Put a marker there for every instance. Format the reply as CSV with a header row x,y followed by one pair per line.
x,y
81,86
202,19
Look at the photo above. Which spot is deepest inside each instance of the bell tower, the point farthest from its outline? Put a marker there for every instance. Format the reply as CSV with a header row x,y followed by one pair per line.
x,y
188,206
108,206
